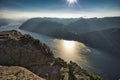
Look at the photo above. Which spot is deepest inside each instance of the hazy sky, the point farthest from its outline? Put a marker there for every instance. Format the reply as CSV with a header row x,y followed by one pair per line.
x,y
59,8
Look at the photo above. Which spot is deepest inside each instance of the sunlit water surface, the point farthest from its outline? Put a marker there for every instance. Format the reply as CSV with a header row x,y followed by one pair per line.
x,y
70,51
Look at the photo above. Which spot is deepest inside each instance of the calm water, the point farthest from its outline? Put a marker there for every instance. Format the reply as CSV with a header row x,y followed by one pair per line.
x,y
95,61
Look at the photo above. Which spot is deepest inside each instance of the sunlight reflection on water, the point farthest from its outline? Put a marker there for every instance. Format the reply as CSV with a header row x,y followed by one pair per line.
x,y
70,51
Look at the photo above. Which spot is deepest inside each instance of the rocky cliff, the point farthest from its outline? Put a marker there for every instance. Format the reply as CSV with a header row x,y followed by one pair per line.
x,y
25,51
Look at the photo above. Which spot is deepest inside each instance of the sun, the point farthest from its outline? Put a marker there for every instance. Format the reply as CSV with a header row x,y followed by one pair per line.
x,y
71,2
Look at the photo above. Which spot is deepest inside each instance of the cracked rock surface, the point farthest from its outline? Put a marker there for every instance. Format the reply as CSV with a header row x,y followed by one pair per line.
x,y
17,73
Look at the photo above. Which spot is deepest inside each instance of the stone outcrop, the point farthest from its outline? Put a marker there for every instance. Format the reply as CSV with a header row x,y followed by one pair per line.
x,y
17,73
25,51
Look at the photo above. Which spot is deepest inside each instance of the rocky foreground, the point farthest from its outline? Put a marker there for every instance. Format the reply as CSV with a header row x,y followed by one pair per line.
x,y
17,73
25,51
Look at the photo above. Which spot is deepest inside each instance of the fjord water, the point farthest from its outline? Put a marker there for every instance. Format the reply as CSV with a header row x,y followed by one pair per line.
x,y
93,60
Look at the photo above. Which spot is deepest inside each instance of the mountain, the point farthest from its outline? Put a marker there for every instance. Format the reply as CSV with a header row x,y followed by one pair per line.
x,y
64,21
7,21
94,24
43,27
78,25
3,22
105,40
25,51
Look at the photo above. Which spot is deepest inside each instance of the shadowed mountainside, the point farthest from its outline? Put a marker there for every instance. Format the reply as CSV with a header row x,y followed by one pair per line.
x,y
77,25
94,24
49,26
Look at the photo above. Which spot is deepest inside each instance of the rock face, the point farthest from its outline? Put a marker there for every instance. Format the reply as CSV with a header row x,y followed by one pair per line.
x,y
17,73
25,51
10,35
77,73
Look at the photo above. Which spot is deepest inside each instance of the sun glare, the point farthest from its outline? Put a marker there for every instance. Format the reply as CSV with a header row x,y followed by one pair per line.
x,y
71,2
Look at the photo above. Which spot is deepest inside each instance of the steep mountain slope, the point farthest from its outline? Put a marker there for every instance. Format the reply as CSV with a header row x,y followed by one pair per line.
x,y
43,27
93,24
52,26
106,40
23,50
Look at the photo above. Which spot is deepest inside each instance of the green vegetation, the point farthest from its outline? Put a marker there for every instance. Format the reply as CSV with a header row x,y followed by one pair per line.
x,y
95,77
36,42
60,62
27,39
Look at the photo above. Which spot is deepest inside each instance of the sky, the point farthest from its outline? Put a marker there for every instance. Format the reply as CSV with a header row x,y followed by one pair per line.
x,y
59,8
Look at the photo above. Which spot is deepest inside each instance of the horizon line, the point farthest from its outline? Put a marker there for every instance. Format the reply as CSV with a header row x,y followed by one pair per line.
x,y
17,14
60,17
